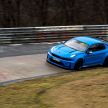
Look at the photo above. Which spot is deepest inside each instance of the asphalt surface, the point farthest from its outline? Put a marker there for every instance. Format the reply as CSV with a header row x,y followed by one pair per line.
x,y
22,62
24,49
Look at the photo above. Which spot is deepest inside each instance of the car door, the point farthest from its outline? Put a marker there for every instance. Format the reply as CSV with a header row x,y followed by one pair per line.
x,y
95,54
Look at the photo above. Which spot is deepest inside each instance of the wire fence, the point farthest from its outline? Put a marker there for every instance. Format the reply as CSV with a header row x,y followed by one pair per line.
x,y
51,33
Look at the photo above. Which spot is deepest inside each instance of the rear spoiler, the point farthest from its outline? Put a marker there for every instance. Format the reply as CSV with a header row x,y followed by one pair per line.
x,y
102,38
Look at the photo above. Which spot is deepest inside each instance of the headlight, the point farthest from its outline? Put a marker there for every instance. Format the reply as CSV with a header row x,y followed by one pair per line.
x,y
73,55
49,53
52,49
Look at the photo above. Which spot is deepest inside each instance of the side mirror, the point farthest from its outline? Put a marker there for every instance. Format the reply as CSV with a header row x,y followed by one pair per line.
x,y
89,52
63,42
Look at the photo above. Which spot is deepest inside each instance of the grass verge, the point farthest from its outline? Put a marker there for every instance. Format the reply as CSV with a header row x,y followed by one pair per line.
x,y
83,89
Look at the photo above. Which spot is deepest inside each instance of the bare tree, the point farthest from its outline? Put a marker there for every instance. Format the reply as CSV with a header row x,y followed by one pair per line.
x,y
105,10
68,8
11,13
100,15
43,6
14,13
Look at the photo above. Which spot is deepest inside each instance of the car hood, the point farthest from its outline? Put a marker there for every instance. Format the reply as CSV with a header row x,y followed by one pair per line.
x,y
64,51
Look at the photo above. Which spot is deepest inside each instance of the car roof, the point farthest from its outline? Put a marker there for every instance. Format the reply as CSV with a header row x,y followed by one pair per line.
x,y
88,40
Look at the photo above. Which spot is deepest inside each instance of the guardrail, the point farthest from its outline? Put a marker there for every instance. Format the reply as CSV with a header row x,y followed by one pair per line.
x,y
51,33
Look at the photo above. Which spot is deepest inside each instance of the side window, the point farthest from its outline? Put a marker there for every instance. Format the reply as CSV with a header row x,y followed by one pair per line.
x,y
97,47
101,47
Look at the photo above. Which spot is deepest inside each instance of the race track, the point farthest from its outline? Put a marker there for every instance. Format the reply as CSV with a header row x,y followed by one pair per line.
x,y
29,64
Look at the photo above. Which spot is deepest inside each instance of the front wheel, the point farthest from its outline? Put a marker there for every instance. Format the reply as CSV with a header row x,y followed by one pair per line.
x,y
78,64
105,64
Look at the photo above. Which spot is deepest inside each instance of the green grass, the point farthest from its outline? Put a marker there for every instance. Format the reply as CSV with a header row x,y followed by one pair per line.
x,y
77,89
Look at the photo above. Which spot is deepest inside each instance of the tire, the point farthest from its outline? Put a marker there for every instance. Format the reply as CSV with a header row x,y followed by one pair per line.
x,y
105,64
78,64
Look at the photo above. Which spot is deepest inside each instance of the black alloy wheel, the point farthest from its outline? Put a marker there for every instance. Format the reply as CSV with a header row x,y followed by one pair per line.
x,y
78,64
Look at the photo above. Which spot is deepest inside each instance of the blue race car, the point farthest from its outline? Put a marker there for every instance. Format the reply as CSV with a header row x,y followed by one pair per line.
x,y
79,52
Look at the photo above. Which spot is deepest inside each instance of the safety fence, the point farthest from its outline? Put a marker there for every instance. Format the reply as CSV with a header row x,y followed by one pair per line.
x,y
50,33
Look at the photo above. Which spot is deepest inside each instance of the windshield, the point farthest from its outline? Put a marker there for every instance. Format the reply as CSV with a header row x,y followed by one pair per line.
x,y
77,45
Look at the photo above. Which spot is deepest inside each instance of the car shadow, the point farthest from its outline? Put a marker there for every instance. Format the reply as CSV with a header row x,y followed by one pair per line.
x,y
92,68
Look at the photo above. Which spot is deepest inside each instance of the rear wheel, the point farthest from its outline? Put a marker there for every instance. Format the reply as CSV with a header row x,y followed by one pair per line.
x,y
78,64
105,64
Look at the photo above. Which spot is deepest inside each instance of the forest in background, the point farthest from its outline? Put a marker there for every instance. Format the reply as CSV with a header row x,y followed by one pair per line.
x,y
24,13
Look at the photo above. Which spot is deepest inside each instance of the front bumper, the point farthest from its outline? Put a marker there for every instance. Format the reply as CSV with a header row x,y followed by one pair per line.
x,y
66,64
